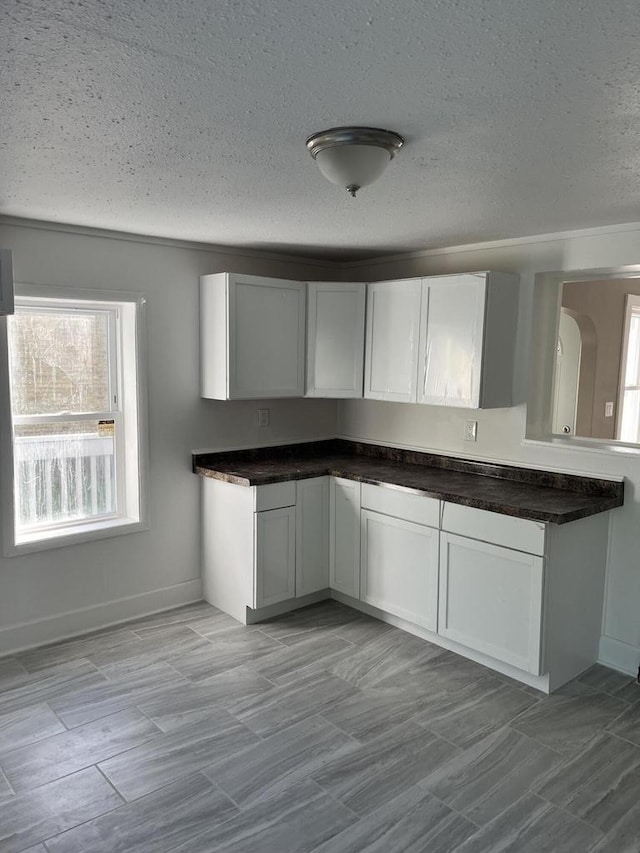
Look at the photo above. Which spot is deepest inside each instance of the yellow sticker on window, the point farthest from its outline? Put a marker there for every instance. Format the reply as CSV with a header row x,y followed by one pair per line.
x,y
106,428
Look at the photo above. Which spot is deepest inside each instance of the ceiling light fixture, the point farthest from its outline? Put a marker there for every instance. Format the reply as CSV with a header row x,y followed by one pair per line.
x,y
353,157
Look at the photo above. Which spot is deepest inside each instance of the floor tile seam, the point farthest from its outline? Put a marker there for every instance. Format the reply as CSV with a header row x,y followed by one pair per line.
x,y
257,734
57,716
265,633
422,783
5,752
620,737
126,803
565,753
621,714
240,810
336,799
613,693
85,766
28,791
173,781
132,705
185,678
351,737
443,738
565,756
599,734
12,790
281,704
337,728
570,814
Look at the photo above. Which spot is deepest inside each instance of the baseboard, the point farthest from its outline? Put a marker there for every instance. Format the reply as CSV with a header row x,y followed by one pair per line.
x,y
619,655
27,635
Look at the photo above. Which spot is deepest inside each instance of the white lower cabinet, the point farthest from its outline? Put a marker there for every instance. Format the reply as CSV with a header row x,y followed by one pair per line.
x,y
399,569
344,536
312,536
264,545
491,600
275,560
518,595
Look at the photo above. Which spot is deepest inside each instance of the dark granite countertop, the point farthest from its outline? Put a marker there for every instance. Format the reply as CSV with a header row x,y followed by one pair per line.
x,y
523,492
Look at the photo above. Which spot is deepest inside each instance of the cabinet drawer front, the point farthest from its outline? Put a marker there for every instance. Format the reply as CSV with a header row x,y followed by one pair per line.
x,y
406,505
275,495
518,533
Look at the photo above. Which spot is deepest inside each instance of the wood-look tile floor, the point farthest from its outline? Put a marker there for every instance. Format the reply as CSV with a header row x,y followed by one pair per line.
x,y
321,731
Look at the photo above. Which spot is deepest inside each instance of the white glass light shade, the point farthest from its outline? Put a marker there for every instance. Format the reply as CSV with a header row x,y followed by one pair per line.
x,y
352,165
353,157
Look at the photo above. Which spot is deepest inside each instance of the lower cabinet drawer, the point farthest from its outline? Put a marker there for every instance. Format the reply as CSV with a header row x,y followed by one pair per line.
x,y
518,533
407,505
491,600
274,495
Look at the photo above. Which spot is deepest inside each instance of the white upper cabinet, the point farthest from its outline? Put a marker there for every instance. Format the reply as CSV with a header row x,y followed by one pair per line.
x,y
445,340
252,337
393,327
467,338
451,327
335,339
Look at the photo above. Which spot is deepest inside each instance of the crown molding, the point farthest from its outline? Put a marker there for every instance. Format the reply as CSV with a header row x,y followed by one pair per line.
x,y
192,245
553,237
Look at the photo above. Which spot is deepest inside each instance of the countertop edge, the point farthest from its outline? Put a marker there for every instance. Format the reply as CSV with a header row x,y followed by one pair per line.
x,y
605,503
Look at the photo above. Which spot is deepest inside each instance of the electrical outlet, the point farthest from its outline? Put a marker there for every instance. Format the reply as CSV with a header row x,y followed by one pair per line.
x,y
263,417
608,410
471,430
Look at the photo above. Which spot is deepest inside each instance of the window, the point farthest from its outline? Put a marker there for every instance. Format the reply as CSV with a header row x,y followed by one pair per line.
x,y
75,395
629,415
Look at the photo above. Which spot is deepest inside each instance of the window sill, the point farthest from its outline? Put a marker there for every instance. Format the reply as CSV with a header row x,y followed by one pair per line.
x,y
47,540
590,445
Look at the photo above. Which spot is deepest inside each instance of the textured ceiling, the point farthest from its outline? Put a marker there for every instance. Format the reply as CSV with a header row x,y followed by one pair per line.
x,y
187,118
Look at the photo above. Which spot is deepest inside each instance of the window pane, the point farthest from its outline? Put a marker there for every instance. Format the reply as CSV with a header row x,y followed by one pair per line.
x,y
59,361
632,372
64,472
630,421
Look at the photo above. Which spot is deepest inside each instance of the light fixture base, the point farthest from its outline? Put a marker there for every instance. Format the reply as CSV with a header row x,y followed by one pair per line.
x,y
376,136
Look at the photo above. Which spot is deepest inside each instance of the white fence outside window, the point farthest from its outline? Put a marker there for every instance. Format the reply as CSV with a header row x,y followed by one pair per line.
x,y
60,478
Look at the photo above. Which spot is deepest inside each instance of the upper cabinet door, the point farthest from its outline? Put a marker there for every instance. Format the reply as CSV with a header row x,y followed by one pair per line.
x,y
467,340
451,335
335,339
266,337
252,335
393,325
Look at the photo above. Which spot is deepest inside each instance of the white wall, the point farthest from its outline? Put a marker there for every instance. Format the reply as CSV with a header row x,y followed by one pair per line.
x,y
501,432
62,591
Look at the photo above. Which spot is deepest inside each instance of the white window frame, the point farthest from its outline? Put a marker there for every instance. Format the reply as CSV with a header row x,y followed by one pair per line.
x,y
132,457
547,302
